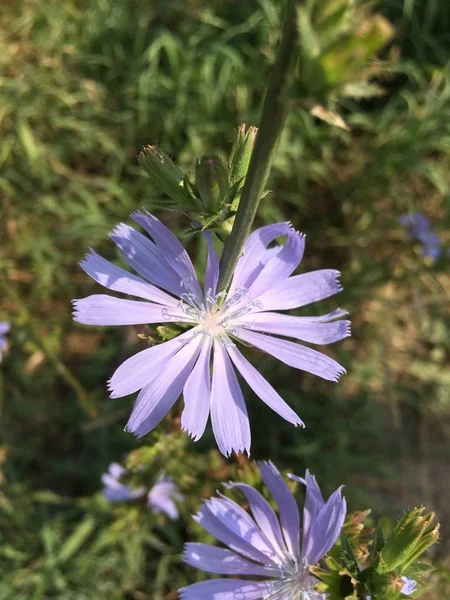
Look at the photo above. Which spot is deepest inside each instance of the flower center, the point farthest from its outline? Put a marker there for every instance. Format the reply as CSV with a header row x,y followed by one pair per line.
x,y
212,323
215,318
295,583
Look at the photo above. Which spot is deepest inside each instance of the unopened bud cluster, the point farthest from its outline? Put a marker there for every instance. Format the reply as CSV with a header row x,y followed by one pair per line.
x,y
378,564
212,198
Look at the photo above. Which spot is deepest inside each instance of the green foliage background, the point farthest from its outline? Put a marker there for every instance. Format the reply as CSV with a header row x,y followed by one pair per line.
x,y
83,86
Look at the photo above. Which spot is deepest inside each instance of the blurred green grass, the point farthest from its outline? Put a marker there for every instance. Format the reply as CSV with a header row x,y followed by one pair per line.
x,y
83,85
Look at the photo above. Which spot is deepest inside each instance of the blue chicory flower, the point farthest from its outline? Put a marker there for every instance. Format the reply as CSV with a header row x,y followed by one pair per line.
x,y
160,499
114,490
409,586
4,328
419,228
275,549
171,292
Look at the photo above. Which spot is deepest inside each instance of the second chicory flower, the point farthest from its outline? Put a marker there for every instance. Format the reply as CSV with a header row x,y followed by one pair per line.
x,y
279,550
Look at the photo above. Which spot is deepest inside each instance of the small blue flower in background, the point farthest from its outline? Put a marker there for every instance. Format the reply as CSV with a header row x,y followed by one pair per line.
x,y
278,549
409,587
419,228
160,499
171,292
4,328
114,490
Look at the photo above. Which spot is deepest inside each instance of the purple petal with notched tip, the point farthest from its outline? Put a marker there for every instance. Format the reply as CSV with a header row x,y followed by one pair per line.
x,y
229,416
302,328
295,355
301,290
101,309
262,387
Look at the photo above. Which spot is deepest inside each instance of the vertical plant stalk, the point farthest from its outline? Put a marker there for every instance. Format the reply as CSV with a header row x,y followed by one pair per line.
x,y
273,117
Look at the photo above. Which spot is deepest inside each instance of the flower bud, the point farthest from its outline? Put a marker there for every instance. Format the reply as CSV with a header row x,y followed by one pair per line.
x,y
413,534
165,175
241,152
211,179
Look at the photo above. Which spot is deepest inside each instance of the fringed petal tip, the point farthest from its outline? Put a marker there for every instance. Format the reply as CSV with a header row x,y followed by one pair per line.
x,y
341,371
192,434
77,311
227,452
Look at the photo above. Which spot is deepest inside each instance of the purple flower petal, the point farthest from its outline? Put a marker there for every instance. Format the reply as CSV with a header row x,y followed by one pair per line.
x,y
229,416
117,279
4,327
280,266
226,589
123,493
262,387
223,561
101,309
301,290
157,398
264,516
197,395
288,509
325,529
172,250
162,496
116,471
295,355
139,370
212,268
145,258
231,525
302,328
114,490
313,502
255,254
409,586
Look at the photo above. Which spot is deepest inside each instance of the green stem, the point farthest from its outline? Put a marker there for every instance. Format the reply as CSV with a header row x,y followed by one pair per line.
x,y
273,117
